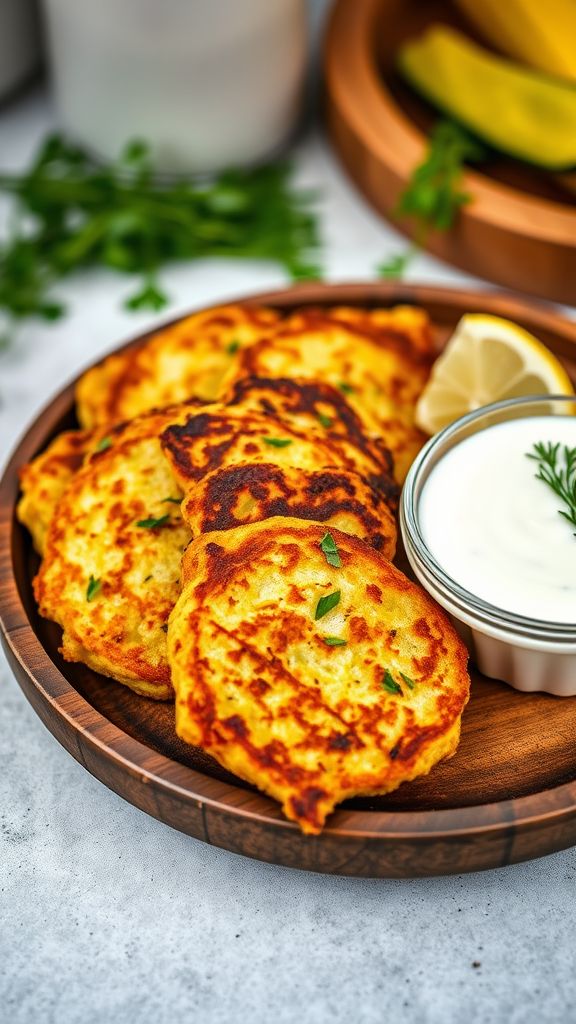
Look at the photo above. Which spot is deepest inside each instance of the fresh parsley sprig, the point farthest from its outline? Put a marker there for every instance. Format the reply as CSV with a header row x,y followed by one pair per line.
x,y
434,196
558,471
72,213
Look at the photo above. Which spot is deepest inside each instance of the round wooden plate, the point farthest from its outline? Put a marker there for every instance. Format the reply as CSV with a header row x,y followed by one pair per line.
x,y
509,793
519,230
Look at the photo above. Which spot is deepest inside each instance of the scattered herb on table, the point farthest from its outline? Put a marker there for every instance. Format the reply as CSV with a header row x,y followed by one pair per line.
x,y
277,442
71,213
558,471
151,523
335,641
330,550
326,604
434,194
389,683
93,588
396,266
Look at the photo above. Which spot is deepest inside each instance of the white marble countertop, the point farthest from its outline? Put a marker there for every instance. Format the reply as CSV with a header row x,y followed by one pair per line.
x,y
108,915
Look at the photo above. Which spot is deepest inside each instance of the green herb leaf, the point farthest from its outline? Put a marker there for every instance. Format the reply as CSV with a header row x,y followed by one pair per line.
x,y
325,421
173,501
328,545
103,444
71,212
345,388
335,641
277,442
326,604
93,588
151,524
433,196
409,682
233,347
558,472
395,268
150,297
390,684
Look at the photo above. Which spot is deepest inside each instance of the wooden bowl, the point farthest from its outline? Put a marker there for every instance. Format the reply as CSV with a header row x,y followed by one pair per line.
x,y
509,793
519,230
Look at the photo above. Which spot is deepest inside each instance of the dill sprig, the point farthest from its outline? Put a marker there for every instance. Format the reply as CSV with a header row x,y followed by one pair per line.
x,y
558,471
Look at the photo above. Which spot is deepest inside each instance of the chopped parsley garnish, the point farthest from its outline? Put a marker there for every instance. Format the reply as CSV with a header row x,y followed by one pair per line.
x,y
174,501
345,388
326,604
103,444
328,545
277,442
233,347
93,588
325,421
335,641
151,524
409,682
390,684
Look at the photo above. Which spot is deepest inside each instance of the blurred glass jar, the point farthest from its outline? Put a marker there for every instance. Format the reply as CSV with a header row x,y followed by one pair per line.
x,y
207,83
19,43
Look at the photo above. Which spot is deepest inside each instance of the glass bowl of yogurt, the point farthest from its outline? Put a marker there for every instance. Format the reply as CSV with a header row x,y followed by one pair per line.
x,y
493,542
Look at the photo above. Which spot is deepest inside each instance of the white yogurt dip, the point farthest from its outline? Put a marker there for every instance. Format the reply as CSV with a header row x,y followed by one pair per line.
x,y
496,529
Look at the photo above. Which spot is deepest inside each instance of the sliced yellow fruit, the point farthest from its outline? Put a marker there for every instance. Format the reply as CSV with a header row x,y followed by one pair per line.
x,y
486,360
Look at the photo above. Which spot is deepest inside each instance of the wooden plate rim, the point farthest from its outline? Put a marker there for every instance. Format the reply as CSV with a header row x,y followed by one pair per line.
x,y
548,806
349,27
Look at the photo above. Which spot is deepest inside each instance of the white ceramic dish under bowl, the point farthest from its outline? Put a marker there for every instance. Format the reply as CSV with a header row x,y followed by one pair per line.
x,y
529,654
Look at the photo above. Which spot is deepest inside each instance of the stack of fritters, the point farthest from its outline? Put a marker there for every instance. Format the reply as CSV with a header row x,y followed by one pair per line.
x,y
269,450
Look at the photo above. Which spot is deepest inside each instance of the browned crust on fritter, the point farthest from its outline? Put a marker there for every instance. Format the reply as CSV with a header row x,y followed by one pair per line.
x,y
383,372
44,480
95,533
190,358
249,492
307,402
259,689
216,436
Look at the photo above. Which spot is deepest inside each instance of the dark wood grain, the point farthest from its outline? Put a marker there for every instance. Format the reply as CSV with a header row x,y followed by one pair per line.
x,y
508,794
519,230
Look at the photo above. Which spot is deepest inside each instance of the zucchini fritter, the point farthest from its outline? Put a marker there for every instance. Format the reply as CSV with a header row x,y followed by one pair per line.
x,y
111,569
260,425
314,680
44,480
381,370
249,492
190,359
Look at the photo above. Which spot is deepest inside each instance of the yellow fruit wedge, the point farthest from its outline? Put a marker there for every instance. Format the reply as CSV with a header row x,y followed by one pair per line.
x,y
486,360
540,34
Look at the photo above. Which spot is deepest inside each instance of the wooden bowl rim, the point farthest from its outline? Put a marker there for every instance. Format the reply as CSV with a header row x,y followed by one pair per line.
x,y
131,755
350,30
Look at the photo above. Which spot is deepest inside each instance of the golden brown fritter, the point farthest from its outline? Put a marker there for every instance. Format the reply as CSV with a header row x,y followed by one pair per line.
x,y
260,426
310,404
405,329
111,569
249,492
313,680
381,371
44,480
191,358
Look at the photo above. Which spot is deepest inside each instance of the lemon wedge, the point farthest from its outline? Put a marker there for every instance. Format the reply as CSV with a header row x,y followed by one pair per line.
x,y
486,360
